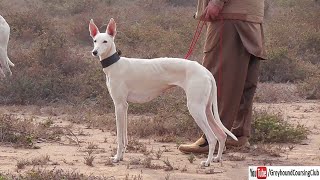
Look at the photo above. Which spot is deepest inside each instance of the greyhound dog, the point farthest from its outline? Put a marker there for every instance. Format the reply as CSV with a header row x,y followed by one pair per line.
x,y
4,39
141,80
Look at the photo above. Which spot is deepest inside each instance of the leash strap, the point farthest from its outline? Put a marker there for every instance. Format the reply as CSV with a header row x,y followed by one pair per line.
x,y
110,60
195,38
193,43
220,60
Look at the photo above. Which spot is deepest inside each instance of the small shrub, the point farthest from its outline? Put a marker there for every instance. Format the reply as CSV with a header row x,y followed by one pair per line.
x,y
91,145
271,128
191,158
146,162
310,89
158,154
89,158
109,162
135,146
42,160
21,164
281,68
135,161
168,164
234,157
309,48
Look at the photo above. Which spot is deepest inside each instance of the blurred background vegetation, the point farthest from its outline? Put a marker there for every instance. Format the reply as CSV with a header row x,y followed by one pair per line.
x,y
50,45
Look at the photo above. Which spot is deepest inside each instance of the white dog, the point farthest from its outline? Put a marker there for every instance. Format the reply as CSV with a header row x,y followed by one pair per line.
x,y
4,39
141,80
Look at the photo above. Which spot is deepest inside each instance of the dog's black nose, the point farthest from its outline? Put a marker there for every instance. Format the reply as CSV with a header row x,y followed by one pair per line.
x,y
95,53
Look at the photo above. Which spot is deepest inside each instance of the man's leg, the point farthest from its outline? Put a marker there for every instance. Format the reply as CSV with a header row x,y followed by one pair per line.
x,y
227,59
242,124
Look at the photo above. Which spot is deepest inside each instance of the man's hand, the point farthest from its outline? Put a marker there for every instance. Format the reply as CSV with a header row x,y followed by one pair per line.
x,y
211,11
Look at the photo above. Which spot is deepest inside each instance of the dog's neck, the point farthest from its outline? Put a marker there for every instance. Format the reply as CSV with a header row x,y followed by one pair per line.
x,y
108,53
111,57
110,60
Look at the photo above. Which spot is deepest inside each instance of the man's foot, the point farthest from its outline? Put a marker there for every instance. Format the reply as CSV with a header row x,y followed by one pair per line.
x,y
243,141
200,146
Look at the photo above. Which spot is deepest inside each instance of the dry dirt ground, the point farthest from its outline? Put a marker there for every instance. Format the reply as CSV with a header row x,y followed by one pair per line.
x,y
69,156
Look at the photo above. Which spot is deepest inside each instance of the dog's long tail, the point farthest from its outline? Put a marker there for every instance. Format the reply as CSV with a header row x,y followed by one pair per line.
x,y
216,112
10,63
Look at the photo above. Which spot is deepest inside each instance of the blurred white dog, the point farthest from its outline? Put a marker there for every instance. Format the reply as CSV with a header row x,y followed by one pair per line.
x,y
141,80
4,39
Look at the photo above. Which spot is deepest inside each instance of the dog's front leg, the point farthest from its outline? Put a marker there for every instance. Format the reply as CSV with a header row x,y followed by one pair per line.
x,y
121,110
125,134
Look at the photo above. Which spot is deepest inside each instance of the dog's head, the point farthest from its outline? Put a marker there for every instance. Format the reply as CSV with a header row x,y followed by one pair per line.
x,y
103,42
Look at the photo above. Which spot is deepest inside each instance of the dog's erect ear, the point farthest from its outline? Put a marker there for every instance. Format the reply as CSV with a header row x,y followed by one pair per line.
x,y
111,28
93,29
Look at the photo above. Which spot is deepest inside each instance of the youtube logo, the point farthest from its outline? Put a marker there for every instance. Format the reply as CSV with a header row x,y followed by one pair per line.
x,y
261,172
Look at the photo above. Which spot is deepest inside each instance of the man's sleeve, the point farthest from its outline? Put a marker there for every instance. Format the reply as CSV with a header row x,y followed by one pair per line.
x,y
219,3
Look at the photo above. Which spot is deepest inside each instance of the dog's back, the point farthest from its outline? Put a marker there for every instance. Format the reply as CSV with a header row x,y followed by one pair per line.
x,y
164,70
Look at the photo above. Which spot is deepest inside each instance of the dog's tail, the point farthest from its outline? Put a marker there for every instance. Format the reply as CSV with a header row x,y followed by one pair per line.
x,y
216,112
10,63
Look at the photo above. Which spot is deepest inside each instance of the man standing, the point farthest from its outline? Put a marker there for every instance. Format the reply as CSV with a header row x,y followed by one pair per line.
x,y
233,49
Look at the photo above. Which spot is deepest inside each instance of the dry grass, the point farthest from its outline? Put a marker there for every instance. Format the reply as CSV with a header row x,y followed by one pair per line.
x,y
310,89
42,160
36,161
51,52
55,174
24,132
51,46
234,157
145,162
276,93
267,149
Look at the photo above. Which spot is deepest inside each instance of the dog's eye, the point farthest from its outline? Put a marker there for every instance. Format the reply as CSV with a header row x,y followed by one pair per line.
x,y
95,41
105,41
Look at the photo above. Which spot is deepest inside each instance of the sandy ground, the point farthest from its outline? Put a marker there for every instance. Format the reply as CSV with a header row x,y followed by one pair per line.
x,y
68,156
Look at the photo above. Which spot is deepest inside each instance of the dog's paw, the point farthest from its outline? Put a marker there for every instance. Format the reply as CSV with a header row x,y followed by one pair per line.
x,y
205,164
216,159
115,159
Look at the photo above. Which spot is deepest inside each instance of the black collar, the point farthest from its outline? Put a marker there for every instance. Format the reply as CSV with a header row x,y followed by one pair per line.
x,y
110,60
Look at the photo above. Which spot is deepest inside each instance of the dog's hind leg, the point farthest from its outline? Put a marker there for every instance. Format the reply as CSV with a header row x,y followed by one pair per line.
x,y
120,121
219,133
198,94
197,111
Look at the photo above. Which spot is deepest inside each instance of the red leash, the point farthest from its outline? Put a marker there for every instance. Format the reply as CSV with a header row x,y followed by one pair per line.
x,y
219,83
193,43
195,38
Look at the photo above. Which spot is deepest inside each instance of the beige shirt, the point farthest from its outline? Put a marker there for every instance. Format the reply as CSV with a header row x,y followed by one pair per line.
x,y
246,10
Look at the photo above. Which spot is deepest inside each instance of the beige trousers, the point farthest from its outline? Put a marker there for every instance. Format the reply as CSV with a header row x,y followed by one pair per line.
x,y
232,53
